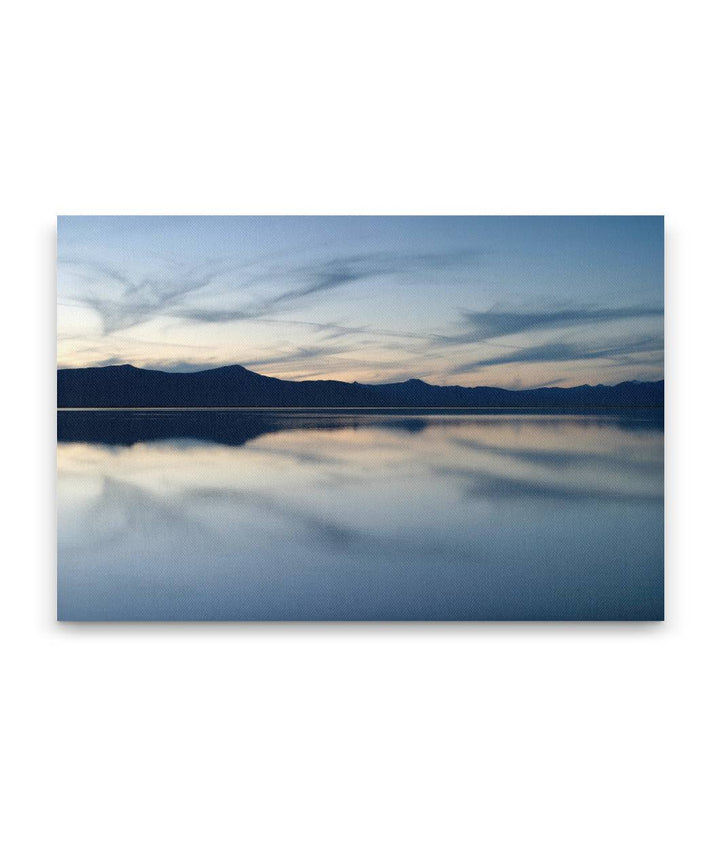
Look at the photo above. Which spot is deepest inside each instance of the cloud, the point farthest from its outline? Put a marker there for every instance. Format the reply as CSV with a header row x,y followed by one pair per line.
x,y
299,355
565,352
334,330
319,277
122,301
272,288
495,323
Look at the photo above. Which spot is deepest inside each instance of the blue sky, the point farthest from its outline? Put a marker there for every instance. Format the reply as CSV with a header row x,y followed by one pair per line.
x,y
504,301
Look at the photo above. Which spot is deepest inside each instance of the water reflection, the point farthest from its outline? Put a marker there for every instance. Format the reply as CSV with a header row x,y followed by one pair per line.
x,y
360,515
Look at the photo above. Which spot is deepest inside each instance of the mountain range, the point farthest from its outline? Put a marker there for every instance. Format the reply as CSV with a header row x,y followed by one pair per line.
x,y
235,386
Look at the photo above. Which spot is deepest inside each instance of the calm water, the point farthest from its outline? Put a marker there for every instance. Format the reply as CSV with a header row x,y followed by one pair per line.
x,y
360,515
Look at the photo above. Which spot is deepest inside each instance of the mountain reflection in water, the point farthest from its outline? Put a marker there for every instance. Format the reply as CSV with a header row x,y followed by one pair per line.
x,y
360,515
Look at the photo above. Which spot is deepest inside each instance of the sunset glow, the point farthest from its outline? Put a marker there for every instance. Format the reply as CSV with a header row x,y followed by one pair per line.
x,y
502,301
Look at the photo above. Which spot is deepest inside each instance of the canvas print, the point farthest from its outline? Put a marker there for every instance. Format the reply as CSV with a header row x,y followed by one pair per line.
x,y
360,418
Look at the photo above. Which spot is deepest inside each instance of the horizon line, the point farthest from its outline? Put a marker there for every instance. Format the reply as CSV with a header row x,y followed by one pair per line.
x,y
349,383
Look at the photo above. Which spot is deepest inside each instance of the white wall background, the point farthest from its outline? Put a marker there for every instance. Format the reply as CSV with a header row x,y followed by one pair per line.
x,y
358,739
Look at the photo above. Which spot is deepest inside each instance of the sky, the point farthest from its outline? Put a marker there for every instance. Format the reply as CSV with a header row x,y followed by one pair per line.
x,y
517,302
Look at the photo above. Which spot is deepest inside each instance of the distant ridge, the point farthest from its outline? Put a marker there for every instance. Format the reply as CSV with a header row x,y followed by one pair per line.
x,y
235,386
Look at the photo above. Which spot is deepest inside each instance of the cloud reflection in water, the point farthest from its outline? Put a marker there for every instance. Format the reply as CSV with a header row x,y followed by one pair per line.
x,y
361,516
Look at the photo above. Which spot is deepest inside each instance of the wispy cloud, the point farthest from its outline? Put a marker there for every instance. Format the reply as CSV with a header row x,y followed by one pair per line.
x,y
122,301
563,352
367,299
298,355
480,326
319,277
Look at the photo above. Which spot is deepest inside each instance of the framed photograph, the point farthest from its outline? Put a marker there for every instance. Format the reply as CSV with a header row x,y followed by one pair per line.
x,y
360,418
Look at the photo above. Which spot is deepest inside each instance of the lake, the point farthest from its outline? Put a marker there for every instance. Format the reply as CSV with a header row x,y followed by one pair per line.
x,y
360,515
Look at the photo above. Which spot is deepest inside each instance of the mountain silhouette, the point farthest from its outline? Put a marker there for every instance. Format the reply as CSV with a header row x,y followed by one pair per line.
x,y
235,386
